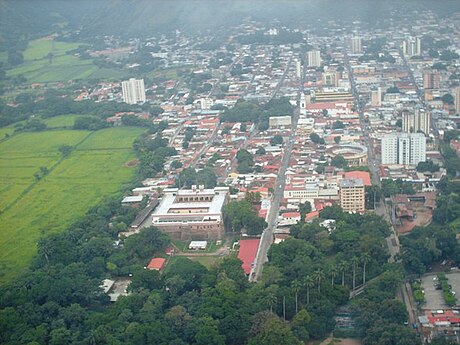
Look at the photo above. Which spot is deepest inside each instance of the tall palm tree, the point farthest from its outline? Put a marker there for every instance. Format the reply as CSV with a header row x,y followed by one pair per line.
x,y
333,272
365,259
354,263
319,275
270,299
342,266
296,286
309,283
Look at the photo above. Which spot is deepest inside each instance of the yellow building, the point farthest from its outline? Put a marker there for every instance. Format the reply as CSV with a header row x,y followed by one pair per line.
x,y
352,195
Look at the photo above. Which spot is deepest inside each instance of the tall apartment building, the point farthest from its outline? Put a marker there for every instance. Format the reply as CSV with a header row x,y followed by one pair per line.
x,y
314,58
403,148
356,45
376,97
431,79
133,91
298,69
331,78
419,121
412,47
352,195
457,99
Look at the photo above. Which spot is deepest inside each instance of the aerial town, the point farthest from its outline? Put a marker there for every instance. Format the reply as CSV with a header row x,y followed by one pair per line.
x,y
278,135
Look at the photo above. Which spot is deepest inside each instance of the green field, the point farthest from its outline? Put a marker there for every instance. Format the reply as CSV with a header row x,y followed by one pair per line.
x,y
95,169
39,68
61,121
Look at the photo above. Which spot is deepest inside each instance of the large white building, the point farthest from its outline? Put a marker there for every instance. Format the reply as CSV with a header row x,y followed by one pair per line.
x,y
403,148
133,91
412,47
418,121
356,45
192,214
314,58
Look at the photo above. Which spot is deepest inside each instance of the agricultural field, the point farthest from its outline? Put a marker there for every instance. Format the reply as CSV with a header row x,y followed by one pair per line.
x,y
45,60
61,121
33,207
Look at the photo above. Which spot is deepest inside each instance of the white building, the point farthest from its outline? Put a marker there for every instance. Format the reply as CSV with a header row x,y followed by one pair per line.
x,y
314,58
356,45
279,121
419,121
403,148
412,47
192,214
133,91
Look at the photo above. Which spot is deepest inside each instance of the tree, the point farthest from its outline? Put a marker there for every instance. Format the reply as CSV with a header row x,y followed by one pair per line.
x,y
176,164
276,140
272,330
316,138
309,283
337,139
319,276
207,332
342,266
448,98
339,162
304,208
260,151
296,286
65,150
365,259
338,125
354,263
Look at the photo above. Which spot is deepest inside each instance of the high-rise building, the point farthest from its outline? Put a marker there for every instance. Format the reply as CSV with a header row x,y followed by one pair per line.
x,y
356,45
412,47
376,97
133,91
352,195
418,121
431,79
403,148
298,69
457,99
314,58
331,78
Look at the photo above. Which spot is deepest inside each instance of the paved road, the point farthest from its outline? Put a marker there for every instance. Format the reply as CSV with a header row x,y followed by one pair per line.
x,y
267,236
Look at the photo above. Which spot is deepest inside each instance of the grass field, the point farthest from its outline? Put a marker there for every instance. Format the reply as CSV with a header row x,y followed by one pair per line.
x,y
61,121
31,208
39,68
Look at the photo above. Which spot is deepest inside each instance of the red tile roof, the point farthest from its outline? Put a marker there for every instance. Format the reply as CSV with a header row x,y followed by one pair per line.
x,y
156,264
247,253
363,175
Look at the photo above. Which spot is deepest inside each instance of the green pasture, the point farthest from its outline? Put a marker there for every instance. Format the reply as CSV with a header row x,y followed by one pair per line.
x,y
61,121
40,67
75,183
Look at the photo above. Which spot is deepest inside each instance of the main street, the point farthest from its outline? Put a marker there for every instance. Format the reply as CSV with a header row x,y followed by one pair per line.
x,y
392,241
267,236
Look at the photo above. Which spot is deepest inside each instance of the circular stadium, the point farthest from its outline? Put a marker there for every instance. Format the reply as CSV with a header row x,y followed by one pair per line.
x,y
354,154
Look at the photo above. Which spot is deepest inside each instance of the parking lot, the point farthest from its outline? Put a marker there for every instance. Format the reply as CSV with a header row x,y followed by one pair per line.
x,y
434,299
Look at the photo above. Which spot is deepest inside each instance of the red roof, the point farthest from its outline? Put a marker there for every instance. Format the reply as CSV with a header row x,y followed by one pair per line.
x,y
363,175
247,253
156,264
291,215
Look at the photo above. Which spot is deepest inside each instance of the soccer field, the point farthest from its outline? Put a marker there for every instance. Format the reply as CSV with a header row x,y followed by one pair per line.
x,y
32,207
